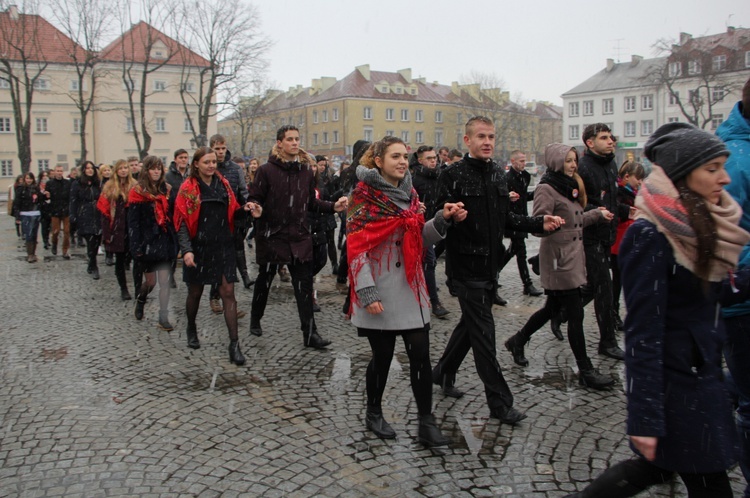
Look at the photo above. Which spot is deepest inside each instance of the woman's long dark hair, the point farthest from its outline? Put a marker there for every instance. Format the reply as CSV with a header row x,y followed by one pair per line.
x,y
144,179
703,224
88,180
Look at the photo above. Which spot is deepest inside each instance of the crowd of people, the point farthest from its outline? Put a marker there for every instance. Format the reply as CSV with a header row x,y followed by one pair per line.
x,y
674,243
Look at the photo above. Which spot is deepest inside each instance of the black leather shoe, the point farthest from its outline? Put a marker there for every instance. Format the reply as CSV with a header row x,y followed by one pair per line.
x,y
499,300
235,355
377,424
95,274
255,329
439,310
554,325
530,290
509,415
125,295
315,341
612,351
534,262
192,338
247,281
452,392
515,347
595,380
429,434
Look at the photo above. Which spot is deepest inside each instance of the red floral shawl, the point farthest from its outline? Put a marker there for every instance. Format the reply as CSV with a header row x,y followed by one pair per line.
x,y
161,204
372,218
188,205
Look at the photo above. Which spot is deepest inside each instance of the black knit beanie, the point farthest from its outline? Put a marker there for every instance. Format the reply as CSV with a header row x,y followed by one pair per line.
x,y
679,148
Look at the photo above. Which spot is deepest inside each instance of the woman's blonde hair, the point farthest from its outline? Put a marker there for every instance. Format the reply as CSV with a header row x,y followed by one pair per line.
x,y
116,186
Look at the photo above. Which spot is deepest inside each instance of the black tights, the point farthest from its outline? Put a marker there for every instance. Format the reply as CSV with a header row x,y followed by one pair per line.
x,y
226,292
92,248
417,345
150,282
630,477
120,261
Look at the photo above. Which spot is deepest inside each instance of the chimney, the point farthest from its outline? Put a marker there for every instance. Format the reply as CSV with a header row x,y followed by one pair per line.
x,y
13,12
685,37
730,30
610,64
406,74
327,82
364,70
635,59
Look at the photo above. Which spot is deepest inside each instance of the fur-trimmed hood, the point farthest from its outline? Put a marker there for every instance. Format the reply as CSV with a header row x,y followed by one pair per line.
x,y
302,159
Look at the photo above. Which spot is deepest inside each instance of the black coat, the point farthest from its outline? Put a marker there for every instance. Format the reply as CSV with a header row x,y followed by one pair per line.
x,y
175,179
25,198
115,231
425,182
59,197
83,211
148,241
474,246
599,175
518,182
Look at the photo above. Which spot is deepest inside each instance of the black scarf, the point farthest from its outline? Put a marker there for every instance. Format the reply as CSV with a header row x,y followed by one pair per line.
x,y
565,185
601,160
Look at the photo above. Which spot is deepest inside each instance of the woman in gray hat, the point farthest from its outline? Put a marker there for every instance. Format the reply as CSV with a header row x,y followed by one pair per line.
x,y
677,262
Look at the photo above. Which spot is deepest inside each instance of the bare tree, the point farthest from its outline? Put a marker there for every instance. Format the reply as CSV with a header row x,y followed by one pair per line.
x,y
231,50
246,107
84,22
691,79
22,63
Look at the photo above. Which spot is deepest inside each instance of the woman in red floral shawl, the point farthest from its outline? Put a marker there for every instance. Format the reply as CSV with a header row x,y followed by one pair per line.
x,y
204,219
385,232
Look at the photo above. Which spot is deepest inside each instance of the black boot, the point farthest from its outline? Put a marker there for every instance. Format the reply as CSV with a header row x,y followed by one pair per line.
x,y
515,345
124,294
588,376
235,355
192,337
314,340
498,299
95,273
534,262
376,423
54,248
554,325
140,302
429,434
618,321
530,290
242,267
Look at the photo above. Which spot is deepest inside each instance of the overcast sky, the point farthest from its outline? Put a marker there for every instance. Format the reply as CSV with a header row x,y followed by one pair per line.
x,y
540,48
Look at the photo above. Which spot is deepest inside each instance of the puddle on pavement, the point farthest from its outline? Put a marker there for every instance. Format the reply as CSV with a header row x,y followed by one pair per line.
x,y
54,354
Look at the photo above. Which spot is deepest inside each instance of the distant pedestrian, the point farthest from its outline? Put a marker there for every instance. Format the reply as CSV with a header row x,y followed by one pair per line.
x,y
84,194
58,193
26,204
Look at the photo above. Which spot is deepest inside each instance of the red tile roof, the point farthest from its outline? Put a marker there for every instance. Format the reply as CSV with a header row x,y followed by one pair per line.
x,y
35,38
133,44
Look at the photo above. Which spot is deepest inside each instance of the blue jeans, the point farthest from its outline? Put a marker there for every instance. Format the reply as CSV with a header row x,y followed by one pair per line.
x,y
737,352
30,227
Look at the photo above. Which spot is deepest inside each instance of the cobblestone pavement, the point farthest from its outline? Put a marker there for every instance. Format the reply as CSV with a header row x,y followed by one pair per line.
x,y
95,403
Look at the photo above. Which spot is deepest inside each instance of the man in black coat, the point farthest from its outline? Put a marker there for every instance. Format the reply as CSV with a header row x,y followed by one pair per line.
x,y
58,193
598,171
474,250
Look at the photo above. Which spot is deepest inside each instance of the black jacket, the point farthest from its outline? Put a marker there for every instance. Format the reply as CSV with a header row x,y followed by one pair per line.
x,y
59,197
425,182
83,211
235,176
599,175
518,182
148,241
175,179
474,246
25,198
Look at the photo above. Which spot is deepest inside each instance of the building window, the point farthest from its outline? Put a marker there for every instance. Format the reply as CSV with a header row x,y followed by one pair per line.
x,y
419,116
335,114
629,104
42,165
719,62
419,137
74,85
129,125
368,115
389,114
161,124
405,136
608,106
390,133
718,93
438,138
160,86
694,67
325,137
694,96
573,109
6,167
675,69
439,114
77,125
647,102
647,127
573,133
629,128
4,125
588,107
315,116
404,116
325,116
673,120
188,86
188,127
41,125
335,137
716,120
315,139
674,97
367,134
5,84
41,84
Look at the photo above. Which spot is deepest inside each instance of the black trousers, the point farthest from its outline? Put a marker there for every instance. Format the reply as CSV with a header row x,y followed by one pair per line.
x,y
475,331
599,289
630,477
302,282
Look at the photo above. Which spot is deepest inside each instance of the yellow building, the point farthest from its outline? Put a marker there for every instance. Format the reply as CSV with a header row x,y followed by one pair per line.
x,y
333,114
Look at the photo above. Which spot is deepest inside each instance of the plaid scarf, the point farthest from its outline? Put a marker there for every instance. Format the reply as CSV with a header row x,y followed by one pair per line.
x,y
188,205
161,204
372,218
659,202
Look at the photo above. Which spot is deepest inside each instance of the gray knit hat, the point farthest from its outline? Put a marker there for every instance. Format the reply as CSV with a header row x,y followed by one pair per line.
x,y
679,148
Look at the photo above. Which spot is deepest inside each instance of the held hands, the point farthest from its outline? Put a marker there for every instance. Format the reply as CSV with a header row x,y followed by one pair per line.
x,y
341,204
514,196
455,211
552,223
375,308
255,209
646,445
422,208
632,213
607,215
188,259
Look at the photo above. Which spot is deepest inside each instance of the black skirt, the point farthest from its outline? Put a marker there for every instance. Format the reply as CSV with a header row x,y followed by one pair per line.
x,y
363,332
